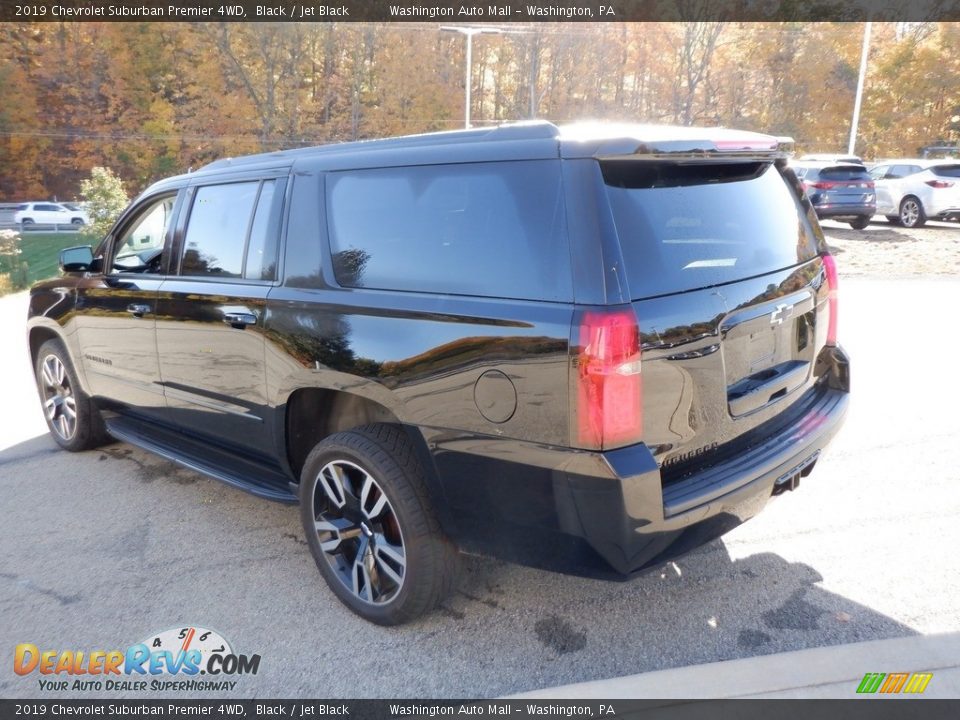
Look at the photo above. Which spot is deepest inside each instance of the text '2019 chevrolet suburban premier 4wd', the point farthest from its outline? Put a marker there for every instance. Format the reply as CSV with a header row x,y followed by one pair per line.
x,y
588,349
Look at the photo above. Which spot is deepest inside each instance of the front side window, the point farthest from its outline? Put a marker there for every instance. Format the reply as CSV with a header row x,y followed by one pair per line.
x,y
482,229
232,231
140,244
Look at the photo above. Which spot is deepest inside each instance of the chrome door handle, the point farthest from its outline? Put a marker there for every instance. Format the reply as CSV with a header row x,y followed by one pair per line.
x,y
138,310
239,319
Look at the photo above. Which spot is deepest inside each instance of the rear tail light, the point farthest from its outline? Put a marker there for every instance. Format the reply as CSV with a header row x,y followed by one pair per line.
x,y
823,185
608,395
939,184
830,268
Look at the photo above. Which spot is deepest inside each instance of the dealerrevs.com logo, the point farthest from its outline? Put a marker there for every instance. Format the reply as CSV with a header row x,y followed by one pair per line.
x,y
184,654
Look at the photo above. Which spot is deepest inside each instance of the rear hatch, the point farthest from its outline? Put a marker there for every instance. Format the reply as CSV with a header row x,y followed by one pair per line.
x,y
730,294
946,185
840,185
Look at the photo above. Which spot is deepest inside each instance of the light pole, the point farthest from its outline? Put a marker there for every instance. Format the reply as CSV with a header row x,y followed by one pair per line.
x,y
469,32
860,79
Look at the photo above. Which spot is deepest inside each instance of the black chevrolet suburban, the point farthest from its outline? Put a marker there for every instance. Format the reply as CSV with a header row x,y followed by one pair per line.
x,y
589,348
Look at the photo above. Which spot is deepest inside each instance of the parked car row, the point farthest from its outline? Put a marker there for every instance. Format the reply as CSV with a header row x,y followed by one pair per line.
x,y
50,213
907,192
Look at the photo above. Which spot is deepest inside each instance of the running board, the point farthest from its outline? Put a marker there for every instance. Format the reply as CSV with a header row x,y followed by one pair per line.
x,y
253,477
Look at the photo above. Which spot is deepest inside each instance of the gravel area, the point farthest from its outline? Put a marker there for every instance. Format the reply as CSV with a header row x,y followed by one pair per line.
x,y
886,250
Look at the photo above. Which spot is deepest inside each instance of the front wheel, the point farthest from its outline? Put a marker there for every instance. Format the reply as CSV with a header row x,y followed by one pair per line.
x,y
860,222
78,222
72,418
370,527
911,213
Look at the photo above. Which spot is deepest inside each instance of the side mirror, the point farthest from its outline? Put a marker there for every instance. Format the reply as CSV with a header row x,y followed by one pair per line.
x,y
76,259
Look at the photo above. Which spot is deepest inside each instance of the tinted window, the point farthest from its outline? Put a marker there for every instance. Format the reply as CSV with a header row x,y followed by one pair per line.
x,y
23,207
952,171
899,171
844,173
489,229
47,208
684,227
262,247
217,230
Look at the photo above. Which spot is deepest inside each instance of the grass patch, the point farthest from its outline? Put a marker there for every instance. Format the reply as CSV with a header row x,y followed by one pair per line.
x,y
41,251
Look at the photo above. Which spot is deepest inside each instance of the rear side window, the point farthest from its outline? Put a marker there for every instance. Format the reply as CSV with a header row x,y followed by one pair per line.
x,y
684,227
844,173
485,229
951,171
232,231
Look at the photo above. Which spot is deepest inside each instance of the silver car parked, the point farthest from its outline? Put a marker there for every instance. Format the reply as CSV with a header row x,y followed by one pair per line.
x,y
910,192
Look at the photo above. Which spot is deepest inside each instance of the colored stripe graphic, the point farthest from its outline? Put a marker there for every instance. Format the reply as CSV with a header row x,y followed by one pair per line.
x,y
871,682
894,682
918,682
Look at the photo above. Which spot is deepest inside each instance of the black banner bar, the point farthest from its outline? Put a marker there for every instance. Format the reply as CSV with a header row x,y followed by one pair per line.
x,y
872,709
476,11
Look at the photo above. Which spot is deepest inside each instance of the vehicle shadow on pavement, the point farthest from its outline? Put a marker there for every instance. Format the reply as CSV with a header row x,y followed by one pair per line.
x,y
705,607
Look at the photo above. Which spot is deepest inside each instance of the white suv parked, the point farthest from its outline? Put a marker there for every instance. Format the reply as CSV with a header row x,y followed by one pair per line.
x,y
910,192
48,213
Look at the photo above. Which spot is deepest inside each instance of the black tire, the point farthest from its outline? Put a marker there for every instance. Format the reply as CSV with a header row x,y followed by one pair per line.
x,y
341,531
27,221
77,221
72,418
860,223
911,212
893,219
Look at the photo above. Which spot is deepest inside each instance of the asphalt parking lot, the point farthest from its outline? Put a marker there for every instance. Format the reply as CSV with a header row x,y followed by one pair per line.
x,y
102,549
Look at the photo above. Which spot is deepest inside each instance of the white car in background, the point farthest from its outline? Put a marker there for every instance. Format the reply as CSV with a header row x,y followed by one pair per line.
x,y
910,192
49,213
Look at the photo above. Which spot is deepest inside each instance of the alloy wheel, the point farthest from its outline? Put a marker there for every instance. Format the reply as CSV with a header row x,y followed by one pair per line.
x,y
59,403
909,212
358,532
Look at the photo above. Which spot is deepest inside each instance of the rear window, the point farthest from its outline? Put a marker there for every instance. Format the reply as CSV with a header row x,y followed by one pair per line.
x,y
952,171
844,173
684,227
486,229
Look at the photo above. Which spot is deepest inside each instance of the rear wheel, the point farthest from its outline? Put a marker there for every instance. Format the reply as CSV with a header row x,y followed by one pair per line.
x,y
370,527
27,221
72,418
860,223
77,221
911,212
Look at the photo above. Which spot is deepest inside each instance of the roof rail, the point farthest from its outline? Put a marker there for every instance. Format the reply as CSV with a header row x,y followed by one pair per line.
x,y
528,130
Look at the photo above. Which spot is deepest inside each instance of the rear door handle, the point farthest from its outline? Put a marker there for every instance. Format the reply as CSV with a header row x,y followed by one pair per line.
x,y
138,310
239,319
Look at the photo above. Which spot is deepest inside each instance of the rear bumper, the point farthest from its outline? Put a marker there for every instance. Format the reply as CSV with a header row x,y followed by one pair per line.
x,y
608,514
709,503
844,211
